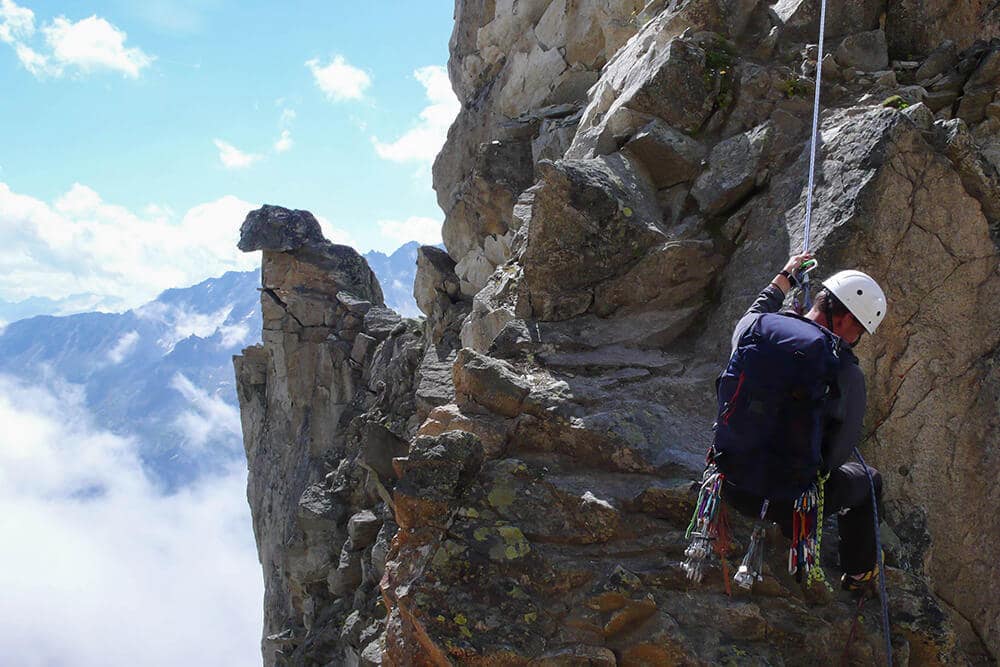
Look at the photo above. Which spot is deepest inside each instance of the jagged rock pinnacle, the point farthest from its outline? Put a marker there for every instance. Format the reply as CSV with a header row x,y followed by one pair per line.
x,y
279,229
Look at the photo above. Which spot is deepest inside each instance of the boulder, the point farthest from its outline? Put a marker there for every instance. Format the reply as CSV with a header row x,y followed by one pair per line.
x,y
431,473
979,177
670,156
363,346
473,271
380,447
800,18
938,61
671,276
353,304
434,385
981,88
380,321
343,580
917,27
490,383
435,279
362,528
921,116
482,201
734,167
279,229
673,83
864,51
589,220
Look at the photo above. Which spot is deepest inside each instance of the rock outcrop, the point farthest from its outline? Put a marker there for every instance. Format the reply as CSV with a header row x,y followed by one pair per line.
x,y
507,481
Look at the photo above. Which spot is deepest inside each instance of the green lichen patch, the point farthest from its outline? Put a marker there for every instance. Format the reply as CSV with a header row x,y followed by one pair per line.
x,y
895,102
501,496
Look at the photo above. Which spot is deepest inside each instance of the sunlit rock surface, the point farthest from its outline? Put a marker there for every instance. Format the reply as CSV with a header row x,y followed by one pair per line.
x,y
623,178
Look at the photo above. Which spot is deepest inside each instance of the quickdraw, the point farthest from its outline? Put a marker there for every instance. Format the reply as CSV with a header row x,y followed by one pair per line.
x,y
807,535
709,532
752,567
709,528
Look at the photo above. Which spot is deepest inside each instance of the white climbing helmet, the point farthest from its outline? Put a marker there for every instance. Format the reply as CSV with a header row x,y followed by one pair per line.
x,y
861,295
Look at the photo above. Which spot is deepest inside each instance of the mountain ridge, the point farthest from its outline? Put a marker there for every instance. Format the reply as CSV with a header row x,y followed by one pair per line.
x,y
161,372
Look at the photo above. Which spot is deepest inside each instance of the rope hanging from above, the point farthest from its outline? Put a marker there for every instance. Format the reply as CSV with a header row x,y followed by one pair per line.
x,y
807,232
806,240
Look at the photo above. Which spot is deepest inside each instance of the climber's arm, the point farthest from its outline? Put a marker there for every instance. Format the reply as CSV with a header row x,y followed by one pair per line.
x,y
771,297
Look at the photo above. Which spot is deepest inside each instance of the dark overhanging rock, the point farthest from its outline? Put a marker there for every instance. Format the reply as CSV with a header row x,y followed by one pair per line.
x,y
279,229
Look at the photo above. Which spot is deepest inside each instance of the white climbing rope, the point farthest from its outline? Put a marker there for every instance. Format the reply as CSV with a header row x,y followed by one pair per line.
x,y
815,130
805,248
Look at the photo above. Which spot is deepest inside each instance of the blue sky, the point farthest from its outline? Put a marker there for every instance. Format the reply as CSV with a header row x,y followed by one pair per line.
x,y
134,137
137,134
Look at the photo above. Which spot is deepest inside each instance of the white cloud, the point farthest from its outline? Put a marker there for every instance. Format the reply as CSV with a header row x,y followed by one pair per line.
x,y
124,347
202,325
234,334
101,552
426,231
92,44
284,142
83,245
16,23
208,418
85,46
183,322
335,234
232,157
422,142
339,80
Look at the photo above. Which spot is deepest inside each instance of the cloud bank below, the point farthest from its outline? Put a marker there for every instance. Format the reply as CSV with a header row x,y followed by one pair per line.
x,y
106,570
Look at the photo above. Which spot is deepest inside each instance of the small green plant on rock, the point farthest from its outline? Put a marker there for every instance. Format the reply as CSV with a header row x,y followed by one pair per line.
x,y
719,61
792,87
895,102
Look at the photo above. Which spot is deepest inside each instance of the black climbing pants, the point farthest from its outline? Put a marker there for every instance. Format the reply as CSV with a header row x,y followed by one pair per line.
x,y
847,489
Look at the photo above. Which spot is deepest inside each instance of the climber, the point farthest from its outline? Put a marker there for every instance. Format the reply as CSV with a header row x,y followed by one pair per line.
x,y
850,304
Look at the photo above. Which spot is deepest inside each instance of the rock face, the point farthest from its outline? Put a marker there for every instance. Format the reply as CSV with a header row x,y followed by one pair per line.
x,y
508,480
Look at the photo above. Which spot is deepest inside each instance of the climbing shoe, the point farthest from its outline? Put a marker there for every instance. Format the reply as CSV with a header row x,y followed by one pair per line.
x,y
860,582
